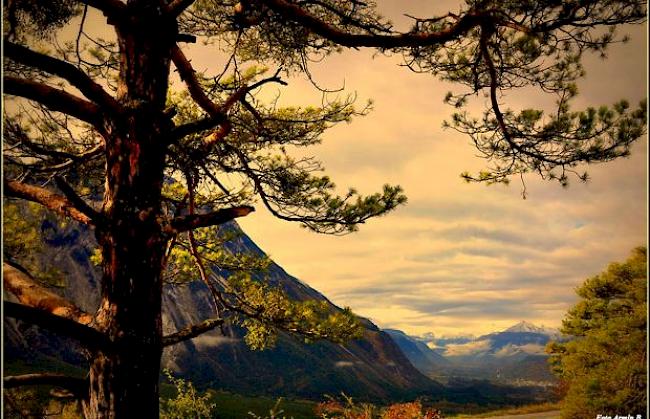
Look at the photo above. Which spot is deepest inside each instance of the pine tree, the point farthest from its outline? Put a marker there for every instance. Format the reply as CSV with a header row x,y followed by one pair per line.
x,y
94,119
605,364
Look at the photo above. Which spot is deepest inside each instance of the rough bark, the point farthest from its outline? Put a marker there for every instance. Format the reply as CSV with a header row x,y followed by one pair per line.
x,y
124,379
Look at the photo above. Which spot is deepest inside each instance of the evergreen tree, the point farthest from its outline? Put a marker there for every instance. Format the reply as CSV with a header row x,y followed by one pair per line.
x,y
605,364
93,118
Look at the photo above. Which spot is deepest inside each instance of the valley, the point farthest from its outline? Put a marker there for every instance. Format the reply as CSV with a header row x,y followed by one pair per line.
x,y
458,375
514,356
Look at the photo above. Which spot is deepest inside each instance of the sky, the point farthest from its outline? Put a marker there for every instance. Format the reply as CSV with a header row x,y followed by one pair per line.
x,y
459,258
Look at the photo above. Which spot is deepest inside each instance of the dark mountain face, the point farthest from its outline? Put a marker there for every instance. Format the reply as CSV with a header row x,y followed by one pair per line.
x,y
371,368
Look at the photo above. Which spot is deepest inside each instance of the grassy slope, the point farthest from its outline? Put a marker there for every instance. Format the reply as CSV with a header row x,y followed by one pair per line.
x,y
235,406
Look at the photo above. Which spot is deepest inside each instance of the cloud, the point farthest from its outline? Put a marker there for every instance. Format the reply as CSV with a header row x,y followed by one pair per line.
x,y
509,350
212,341
509,236
344,364
459,258
470,348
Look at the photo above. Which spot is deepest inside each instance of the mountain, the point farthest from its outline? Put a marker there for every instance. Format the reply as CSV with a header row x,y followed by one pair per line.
x,y
513,356
418,353
526,327
371,368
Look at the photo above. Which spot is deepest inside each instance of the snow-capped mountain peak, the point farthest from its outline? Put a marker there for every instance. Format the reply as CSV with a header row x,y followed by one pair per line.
x,y
527,327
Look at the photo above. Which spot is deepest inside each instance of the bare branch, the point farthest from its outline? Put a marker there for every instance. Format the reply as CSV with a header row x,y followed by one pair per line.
x,y
54,99
186,37
299,15
15,133
78,386
191,222
176,7
72,160
50,200
87,336
220,118
113,9
67,71
18,282
195,127
76,200
188,75
193,247
192,331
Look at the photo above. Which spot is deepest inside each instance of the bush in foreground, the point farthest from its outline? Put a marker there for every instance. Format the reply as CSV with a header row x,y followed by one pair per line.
x,y
333,409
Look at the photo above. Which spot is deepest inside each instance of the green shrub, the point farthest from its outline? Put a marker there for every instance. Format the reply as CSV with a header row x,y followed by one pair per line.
x,y
187,404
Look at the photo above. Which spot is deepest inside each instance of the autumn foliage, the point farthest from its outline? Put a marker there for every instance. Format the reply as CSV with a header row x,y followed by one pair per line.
x,y
333,409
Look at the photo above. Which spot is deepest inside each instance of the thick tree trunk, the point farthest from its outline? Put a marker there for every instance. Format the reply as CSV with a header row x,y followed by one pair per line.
x,y
124,378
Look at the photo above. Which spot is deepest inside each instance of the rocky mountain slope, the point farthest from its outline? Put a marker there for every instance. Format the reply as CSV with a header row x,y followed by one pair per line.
x,y
371,368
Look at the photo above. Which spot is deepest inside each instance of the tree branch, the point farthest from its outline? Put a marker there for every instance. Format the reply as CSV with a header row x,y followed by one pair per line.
x,y
176,7
494,85
77,386
192,331
194,127
310,221
215,119
299,15
87,336
54,99
188,75
193,247
15,134
65,70
112,9
72,160
18,282
77,201
50,200
191,222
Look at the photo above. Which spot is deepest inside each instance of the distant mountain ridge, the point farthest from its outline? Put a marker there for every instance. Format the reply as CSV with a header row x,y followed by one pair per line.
x,y
515,354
